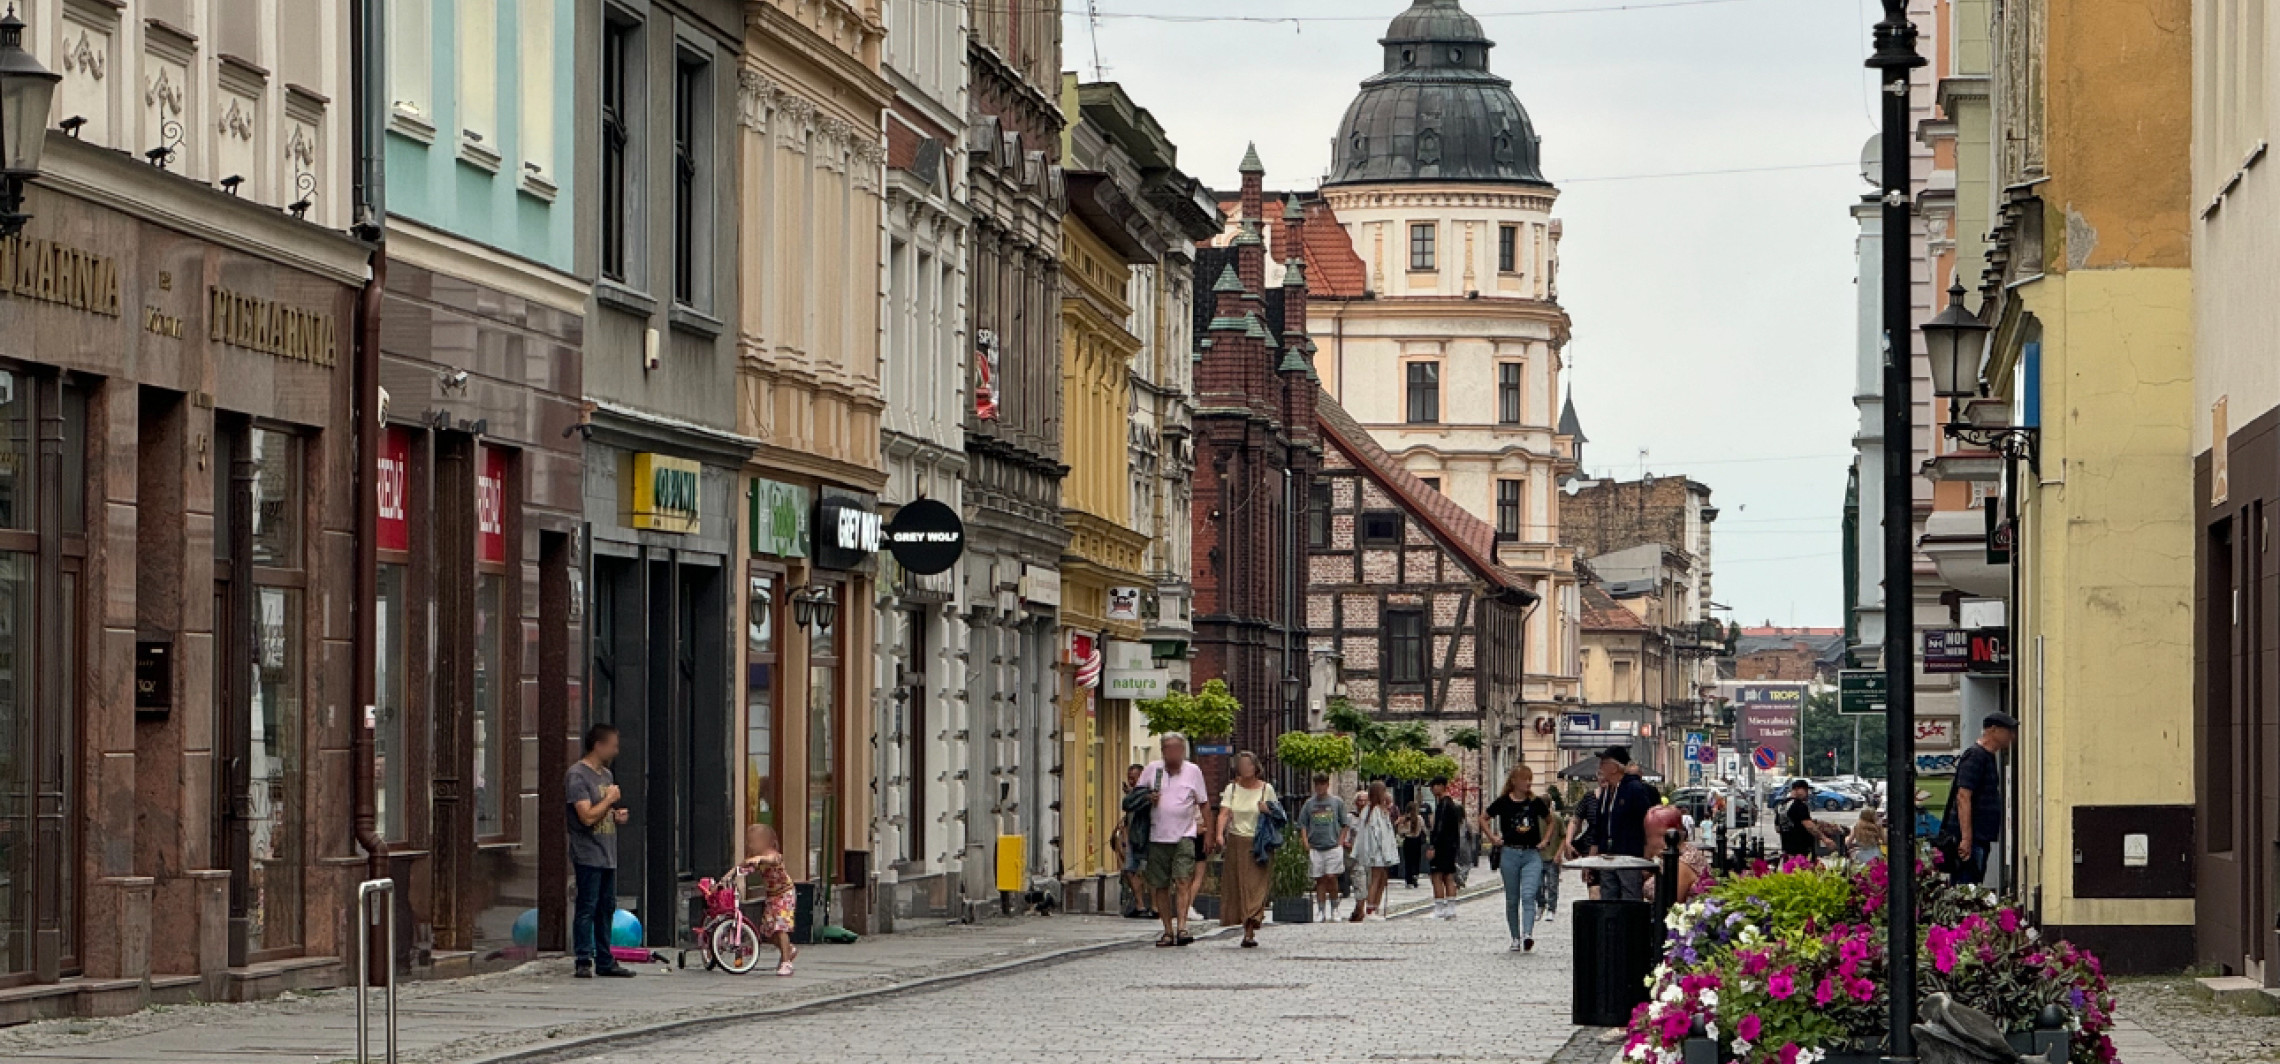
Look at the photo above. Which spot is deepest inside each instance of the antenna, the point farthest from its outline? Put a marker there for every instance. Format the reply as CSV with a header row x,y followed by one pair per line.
x,y
1092,15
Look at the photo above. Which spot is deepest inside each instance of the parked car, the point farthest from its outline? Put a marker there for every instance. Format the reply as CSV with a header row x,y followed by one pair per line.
x,y
1707,805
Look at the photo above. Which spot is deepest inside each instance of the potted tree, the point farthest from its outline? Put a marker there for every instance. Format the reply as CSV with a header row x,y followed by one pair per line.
x,y
1306,753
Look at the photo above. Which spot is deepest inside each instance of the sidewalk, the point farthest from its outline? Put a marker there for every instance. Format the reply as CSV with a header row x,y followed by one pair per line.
x,y
540,1005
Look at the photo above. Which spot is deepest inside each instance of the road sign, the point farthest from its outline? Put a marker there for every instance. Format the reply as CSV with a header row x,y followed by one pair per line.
x,y
1765,759
1861,691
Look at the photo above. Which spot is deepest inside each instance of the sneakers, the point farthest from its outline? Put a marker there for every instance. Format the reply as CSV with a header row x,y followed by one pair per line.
x,y
1527,945
1515,947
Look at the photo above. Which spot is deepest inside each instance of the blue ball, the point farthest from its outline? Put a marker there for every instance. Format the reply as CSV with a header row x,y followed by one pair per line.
x,y
625,930
526,928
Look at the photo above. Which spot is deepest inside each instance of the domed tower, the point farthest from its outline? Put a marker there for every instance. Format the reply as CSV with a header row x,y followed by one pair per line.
x,y
1450,350
1436,113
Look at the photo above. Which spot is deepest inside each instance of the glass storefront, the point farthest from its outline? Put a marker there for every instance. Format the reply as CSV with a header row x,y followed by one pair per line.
x,y
273,800
491,783
16,869
388,710
823,743
760,701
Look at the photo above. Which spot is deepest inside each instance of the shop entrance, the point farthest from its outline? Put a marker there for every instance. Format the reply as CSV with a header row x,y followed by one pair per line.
x,y
661,675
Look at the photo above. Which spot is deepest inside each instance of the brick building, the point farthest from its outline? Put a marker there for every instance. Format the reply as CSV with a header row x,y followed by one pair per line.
x,y
1773,653
1256,451
1405,599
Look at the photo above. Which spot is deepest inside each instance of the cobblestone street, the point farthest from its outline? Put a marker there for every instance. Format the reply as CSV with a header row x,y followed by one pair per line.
x,y
1409,989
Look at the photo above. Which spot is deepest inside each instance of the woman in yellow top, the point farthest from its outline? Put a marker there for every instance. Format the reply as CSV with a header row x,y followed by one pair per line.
x,y
1243,881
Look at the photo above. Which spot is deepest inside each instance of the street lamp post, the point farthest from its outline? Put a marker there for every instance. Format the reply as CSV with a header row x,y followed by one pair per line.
x,y
1894,58
26,88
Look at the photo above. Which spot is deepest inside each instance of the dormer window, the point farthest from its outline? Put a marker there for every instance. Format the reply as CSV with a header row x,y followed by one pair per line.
x,y
1457,56
1408,57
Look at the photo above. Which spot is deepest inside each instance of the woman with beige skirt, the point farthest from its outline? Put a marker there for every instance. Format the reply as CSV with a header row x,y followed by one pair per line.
x,y
1243,881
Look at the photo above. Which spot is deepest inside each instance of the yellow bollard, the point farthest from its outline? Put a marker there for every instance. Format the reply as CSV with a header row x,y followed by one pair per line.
x,y
1012,863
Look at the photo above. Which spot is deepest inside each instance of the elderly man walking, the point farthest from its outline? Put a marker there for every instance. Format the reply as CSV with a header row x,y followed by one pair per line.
x,y
1177,787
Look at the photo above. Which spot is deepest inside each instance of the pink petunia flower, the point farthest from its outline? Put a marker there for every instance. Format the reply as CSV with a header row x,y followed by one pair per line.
x,y
1749,1028
1788,1053
1825,992
2008,921
1783,985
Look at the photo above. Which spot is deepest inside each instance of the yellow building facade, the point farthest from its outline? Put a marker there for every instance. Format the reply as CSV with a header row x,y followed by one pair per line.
x,y
2090,288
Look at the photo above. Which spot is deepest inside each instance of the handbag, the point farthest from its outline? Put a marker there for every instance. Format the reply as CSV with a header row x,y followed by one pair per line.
x,y
1948,844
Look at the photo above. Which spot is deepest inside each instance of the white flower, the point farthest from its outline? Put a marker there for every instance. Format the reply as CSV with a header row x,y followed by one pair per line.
x,y
1710,998
1710,1031
1673,994
1809,1056
2034,935
1741,1048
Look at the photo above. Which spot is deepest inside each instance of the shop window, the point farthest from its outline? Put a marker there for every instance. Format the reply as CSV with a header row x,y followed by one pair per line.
x,y
273,800
491,738
16,764
760,794
823,742
276,499
389,709
1405,647
16,433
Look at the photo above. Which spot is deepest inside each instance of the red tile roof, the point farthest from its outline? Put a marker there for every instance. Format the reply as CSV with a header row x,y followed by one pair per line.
x,y
1473,539
1333,270
1602,613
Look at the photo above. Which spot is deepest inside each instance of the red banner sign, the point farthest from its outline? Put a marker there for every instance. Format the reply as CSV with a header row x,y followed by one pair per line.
x,y
491,506
395,483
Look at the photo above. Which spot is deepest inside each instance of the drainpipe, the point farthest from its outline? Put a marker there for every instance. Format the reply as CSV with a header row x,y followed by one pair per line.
x,y
370,212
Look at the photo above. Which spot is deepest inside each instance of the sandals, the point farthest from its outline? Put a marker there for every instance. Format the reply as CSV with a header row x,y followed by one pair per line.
x,y
1166,941
1184,939
784,968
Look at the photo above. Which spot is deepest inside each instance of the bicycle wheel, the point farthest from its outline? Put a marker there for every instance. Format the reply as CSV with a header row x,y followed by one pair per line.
x,y
736,946
705,941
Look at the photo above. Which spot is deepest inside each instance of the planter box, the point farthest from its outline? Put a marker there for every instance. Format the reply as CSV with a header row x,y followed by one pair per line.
x,y
1207,905
1294,910
2052,1047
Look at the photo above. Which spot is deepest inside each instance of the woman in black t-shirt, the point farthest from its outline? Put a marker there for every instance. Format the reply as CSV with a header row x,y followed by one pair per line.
x,y
1522,822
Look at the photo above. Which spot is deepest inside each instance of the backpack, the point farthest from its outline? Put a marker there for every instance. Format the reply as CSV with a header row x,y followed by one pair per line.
x,y
1781,821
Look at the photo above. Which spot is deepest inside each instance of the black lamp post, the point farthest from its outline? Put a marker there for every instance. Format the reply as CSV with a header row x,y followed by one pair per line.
x,y
1894,58
26,88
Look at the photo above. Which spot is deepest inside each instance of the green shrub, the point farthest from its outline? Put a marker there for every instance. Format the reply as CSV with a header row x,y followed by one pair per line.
x,y
1310,753
1288,869
1206,714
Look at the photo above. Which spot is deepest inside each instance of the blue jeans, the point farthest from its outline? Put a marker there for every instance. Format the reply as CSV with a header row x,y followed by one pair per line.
x,y
592,914
1549,897
1523,871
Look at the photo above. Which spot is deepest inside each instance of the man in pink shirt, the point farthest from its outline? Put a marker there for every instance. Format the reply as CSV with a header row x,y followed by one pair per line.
x,y
1180,799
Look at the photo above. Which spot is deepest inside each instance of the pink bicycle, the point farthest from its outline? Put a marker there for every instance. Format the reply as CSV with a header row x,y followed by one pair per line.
x,y
726,936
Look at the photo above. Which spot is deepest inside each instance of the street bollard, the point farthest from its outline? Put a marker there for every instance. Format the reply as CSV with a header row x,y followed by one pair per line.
x,y
366,918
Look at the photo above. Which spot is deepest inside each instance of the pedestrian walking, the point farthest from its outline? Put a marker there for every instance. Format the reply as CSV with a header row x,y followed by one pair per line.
x,y
1801,835
1376,849
764,856
1411,830
1443,850
1977,807
1328,825
1173,829
592,794
1244,880
1624,800
1131,851
1580,838
1522,824
1548,895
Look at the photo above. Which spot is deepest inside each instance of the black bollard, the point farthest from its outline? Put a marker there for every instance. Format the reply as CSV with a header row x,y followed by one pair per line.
x,y
1666,884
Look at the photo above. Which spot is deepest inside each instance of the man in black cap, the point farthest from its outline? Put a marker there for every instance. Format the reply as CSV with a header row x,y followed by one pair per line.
x,y
1978,805
1624,799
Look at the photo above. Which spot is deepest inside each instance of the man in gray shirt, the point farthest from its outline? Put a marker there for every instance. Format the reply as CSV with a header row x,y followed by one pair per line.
x,y
594,814
1328,827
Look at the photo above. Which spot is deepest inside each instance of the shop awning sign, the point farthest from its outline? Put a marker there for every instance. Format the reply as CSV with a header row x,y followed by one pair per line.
x,y
846,533
1124,604
666,494
779,519
927,537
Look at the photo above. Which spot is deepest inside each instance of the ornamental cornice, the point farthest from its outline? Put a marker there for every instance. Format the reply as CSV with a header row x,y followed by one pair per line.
x,y
1367,197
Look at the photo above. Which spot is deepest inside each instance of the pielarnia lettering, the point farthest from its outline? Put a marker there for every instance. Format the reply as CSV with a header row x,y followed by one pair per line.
x,y
269,327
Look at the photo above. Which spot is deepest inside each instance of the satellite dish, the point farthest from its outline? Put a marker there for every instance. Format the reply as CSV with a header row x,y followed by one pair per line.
x,y
1872,161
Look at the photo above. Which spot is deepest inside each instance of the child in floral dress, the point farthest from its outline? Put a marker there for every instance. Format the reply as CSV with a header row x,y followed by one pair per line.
x,y
767,865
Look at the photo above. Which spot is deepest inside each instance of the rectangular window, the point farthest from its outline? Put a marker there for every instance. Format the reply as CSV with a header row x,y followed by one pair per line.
x,y
1431,482
618,68
1381,529
1424,393
1318,502
276,499
689,83
824,817
388,710
273,797
534,24
1405,647
409,54
1508,509
491,738
17,430
1421,246
1508,393
479,75
760,701
1508,248
916,736
2224,656
17,714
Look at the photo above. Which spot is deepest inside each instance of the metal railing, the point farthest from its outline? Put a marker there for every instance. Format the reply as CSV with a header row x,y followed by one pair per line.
x,y
366,918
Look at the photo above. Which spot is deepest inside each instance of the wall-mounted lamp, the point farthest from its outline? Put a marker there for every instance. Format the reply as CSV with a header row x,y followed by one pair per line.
x,y
26,90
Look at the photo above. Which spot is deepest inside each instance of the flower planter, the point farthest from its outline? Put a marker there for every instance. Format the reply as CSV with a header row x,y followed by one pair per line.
x,y
2035,1045
1294,910
1208,906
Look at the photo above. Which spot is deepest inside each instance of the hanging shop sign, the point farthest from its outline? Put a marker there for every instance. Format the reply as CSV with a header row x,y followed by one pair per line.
x,y
491,507
1124,604
846,533
1040,586
1990,652
1084,652
395,487
1947,650
2001,534
927,537
779,518
666,494
1132,672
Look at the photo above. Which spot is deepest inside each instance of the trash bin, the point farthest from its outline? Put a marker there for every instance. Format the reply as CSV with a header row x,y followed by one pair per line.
x,y
1614,954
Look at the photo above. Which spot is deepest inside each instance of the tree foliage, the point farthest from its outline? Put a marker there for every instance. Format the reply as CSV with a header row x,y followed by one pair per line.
x,y
1205,714
1825,730
1310,752
1465,739
1402,763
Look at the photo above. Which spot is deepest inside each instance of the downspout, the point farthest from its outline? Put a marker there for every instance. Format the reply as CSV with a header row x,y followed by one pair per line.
x,y
367,57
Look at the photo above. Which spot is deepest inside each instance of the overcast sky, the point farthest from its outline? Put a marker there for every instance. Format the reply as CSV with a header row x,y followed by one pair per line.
x,y
1714,313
